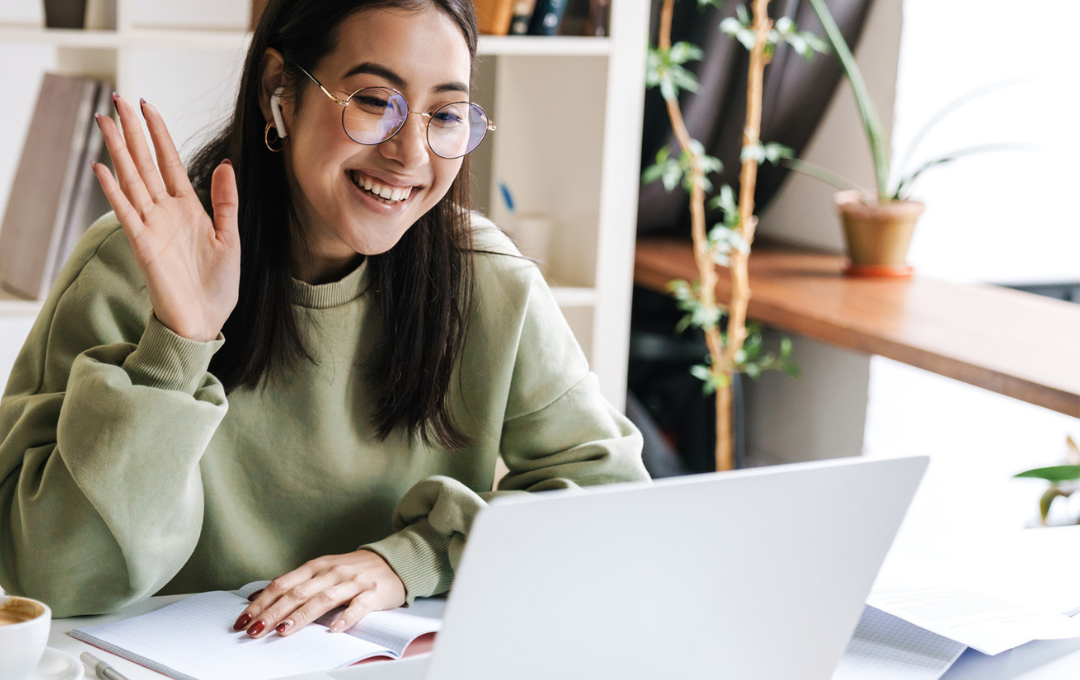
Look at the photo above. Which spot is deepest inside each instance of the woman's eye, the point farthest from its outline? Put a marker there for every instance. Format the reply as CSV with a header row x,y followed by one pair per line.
x,y
371,103
448,118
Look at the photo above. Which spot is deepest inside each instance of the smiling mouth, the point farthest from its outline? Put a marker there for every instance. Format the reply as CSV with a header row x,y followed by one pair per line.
x,y
380,192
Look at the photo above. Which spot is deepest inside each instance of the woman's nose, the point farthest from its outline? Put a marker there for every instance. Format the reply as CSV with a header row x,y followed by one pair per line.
x,y
409,146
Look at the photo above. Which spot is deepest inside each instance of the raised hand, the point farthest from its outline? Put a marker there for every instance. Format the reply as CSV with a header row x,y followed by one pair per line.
x,y
190,262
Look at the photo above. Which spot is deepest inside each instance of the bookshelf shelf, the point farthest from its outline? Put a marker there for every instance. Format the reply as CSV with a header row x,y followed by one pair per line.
x,y
59,37
538,45
164,37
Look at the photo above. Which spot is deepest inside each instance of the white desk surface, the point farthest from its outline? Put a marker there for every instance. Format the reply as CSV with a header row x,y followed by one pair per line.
x,y
1038,565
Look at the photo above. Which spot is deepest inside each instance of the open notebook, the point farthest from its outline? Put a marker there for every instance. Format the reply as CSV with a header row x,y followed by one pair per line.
x,y
193,639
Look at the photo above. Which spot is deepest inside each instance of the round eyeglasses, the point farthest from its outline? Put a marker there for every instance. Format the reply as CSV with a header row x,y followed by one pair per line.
x,y
372,115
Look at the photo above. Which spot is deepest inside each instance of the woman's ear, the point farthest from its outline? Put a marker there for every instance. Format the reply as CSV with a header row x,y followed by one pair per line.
x,y
271,87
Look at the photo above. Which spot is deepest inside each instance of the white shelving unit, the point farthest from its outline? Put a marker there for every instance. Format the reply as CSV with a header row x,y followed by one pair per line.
x,y
568,111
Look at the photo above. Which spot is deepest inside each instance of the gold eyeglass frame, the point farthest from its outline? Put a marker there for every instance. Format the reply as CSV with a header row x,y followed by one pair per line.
x,y
344,103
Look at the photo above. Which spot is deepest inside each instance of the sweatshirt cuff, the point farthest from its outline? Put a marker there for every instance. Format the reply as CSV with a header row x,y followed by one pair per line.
x,y
168,361
419,555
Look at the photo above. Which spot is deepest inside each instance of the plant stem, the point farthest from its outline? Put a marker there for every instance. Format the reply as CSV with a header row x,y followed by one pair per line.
x,y
702,257
739,267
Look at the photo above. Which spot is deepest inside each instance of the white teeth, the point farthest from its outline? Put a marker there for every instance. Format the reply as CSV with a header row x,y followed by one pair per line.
x,y
387,193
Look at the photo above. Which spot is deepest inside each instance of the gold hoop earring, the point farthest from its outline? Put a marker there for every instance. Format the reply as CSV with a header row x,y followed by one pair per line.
x,y
277,138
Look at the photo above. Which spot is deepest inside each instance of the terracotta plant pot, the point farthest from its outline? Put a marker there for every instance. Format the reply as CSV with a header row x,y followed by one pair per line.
x,y
877,235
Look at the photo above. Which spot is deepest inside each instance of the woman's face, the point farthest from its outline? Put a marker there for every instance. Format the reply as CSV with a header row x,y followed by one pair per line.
x,y
425,57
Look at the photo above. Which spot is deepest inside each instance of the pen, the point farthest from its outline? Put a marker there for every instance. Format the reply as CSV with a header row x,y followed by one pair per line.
x,y
101,669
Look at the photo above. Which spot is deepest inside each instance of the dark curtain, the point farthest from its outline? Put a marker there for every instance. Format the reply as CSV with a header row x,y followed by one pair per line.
x,y
795,97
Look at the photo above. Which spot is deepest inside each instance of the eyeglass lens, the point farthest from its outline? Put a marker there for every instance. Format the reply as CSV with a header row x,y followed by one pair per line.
x,y
375,114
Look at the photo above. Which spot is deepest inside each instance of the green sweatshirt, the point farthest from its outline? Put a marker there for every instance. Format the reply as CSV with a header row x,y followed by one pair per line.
x,y
126,472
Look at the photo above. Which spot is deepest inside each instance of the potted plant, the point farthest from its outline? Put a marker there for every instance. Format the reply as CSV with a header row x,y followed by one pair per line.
x,y
1064,480
878,225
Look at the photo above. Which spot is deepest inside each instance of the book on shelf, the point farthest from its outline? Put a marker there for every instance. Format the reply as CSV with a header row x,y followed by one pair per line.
x,y
546,17
194,638
493,16
522,14
54,196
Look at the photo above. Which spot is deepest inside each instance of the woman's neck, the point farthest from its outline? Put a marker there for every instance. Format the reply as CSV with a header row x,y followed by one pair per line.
x,y
316,271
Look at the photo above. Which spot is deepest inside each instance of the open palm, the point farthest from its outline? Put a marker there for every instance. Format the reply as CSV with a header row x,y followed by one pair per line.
x,y
190,262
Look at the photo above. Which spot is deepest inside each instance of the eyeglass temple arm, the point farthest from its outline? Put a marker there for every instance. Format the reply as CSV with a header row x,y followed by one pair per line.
x,y
340,102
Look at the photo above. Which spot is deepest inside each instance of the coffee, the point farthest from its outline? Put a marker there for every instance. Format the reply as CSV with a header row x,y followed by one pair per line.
x,y
18,611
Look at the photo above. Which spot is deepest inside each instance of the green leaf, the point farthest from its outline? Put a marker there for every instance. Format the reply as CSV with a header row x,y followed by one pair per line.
x,y
1056,473
747,37
730,26
667,90
651,174
1047,499
870,120
682,52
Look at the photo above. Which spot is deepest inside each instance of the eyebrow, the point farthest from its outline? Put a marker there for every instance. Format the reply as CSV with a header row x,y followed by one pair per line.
x,y
399,82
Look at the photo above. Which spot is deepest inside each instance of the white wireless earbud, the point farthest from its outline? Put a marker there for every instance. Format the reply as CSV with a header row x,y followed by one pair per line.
x,y
275,107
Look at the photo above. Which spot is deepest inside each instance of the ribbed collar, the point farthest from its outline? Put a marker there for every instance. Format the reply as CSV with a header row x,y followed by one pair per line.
x,y
333,294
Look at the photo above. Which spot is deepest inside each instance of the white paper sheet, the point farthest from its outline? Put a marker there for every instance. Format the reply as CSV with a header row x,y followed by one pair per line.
x,y
988,624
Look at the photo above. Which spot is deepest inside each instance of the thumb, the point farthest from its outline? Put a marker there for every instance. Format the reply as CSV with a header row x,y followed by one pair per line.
x,y
226,201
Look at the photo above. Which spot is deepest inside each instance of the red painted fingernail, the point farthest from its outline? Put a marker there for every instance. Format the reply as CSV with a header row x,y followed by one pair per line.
x,y
252,596
242,622
142,102
92,166
115,99
285,625
256,628
228,162
96,115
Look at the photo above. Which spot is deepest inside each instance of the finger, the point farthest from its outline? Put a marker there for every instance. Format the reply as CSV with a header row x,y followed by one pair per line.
x,y
324,601
289,603
126,172
139,149
262,599
172,168
361,605
125,213
252,596
226,201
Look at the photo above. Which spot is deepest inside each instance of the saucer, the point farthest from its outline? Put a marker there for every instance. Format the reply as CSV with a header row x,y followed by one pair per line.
x,y
56,665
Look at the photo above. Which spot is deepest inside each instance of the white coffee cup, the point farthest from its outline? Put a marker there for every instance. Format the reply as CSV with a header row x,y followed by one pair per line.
x,y
24,632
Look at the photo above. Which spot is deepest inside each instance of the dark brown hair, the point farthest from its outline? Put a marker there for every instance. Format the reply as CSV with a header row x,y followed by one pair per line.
x,y
422,287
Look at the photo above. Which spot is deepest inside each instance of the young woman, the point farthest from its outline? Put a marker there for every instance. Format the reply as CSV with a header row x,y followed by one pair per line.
x,y
303,360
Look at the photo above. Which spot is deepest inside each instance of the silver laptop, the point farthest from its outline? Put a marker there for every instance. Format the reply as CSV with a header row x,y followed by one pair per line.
x,y
758,573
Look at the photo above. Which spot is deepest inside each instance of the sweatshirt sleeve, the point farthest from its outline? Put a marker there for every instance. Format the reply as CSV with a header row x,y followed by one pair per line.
x,y
103,423
558,432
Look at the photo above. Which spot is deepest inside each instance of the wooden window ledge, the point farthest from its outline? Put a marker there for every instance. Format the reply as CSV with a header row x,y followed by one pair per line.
x,y
1014,343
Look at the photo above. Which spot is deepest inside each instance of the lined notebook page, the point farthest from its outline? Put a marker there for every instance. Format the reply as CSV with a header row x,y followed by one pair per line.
x,y
396,628
885,647
181,641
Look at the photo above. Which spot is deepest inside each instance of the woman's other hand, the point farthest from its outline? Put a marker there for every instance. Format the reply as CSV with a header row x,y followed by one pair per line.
x,y
362,580
191,263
